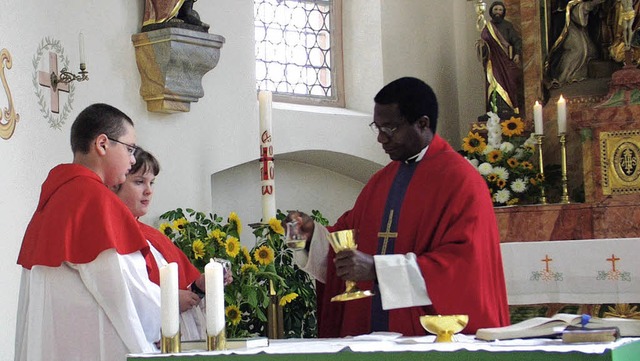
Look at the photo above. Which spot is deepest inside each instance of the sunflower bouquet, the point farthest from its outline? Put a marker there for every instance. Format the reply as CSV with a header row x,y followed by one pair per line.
x,y
269,263
503,158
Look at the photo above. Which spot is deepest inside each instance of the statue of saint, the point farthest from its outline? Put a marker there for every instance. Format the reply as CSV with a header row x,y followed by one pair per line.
x,y
501,49
171,13
624,26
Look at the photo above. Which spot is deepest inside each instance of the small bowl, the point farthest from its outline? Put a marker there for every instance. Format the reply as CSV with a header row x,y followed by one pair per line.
x,y
444,327
296,244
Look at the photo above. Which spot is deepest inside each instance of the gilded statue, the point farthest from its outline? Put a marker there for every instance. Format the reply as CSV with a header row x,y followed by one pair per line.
x,y
624,27
171,13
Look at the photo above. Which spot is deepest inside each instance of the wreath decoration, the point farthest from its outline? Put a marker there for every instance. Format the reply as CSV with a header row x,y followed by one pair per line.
x,y
55,122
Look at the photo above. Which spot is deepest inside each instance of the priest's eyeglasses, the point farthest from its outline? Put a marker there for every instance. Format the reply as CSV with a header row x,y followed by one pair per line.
x,y
389,132
130,148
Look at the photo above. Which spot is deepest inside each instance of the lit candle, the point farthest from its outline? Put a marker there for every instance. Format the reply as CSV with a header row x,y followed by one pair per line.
x,y
562,115
537,118
266,158
169,303
81,41
214,296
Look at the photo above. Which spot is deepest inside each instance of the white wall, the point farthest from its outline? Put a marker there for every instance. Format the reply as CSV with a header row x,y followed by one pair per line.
x,y
201,151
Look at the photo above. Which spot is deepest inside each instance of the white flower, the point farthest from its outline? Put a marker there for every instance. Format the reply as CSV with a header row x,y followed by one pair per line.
x,y
494,130
519,185
502,196
501,172
506,147
474,162
488,149
531,141
519,154
485,168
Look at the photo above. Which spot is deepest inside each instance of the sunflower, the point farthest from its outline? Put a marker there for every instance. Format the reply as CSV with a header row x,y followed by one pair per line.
x,y
245,253
179,224
513,201
166,229
264,255
248,267
527,165
198,249
218,235
233,314
288,298
494,156
512,162
473,143
233,218
501,183
232,246
492,177
513,126
275,226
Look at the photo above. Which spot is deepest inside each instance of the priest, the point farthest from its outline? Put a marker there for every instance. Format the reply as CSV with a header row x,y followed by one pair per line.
x,y
85,292
427,236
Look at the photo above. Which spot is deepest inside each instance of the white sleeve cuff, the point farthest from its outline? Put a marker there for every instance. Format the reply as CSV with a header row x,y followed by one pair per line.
x,y
400,281
314,262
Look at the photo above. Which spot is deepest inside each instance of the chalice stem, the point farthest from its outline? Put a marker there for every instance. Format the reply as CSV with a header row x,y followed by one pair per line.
x,y
350,286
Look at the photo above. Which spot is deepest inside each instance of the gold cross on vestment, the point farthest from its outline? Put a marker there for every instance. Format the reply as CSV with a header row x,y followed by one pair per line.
x,y
387,234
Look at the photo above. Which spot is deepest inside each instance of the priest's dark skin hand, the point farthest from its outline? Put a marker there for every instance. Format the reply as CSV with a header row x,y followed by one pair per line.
x,y
353,265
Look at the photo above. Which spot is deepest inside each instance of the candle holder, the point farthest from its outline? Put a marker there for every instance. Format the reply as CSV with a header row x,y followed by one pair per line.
x,y
217,342
67,77
170,344
563,151
543,197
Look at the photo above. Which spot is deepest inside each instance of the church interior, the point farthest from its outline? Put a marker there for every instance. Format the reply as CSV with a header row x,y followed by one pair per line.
x,y
208,146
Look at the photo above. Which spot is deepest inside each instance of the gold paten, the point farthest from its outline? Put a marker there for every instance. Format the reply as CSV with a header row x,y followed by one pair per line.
x,y
620,157
444,327
340,241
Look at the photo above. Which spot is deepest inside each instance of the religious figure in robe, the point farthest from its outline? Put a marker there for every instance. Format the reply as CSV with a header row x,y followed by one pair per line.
x,y
85,292
428,241
571,52
501,50
625,25
177,13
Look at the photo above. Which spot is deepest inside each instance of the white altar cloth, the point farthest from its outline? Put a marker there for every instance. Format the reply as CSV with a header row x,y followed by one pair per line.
x,y
583,272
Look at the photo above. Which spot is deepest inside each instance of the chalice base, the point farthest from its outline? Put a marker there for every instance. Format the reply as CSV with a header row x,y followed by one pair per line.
x,y
350,296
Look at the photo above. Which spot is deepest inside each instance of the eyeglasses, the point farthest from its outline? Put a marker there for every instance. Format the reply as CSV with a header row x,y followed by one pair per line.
x,y
130,148
389,132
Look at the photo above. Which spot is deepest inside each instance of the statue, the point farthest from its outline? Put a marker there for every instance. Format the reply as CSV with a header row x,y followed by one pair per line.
x,y
573,49
625,24
171,13
500,46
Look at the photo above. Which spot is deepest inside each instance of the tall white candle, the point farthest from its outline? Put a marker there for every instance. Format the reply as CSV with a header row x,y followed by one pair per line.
x,y
562,115
169,301
213,274
81,42
266,157
537,118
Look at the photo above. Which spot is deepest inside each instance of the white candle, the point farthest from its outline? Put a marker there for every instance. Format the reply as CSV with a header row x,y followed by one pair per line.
x,y
169,301
562,115
214,291
81,41
266,157
537,118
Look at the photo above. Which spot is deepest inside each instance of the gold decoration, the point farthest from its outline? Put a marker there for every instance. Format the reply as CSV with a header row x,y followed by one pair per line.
x,y
620,157
170,344
217,342
340,241
623,310
444,327
8,126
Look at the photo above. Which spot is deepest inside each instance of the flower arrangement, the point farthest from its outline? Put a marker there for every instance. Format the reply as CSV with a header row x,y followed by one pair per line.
x,y
503,158
202,237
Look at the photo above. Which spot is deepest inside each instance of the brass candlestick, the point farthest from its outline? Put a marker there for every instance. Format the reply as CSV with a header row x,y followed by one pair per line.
x,y
170,344
563,152
217,342
543,197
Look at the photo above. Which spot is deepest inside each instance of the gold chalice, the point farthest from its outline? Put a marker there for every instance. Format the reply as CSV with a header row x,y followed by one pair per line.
x,y
444,327
340,241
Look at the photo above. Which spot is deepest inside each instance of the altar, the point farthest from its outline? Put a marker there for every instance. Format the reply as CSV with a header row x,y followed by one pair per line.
x,y
391,347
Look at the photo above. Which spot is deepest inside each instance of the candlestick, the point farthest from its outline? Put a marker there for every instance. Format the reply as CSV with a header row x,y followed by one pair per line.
x,y
562,115
563,151
543,197
170,307
537,118
214,296
266,158
81,42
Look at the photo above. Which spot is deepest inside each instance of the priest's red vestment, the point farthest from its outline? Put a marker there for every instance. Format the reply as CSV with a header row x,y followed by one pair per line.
x,y
447,221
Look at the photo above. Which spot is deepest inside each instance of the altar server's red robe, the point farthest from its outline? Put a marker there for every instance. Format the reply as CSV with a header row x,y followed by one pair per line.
x,y
447,220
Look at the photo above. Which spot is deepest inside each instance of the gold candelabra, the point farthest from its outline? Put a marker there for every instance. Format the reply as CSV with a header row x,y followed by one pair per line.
x,y
170,344
217,342
67,77
563,152
543,197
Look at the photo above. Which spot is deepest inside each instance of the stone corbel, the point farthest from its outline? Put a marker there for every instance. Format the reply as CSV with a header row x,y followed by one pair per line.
x,y
172,62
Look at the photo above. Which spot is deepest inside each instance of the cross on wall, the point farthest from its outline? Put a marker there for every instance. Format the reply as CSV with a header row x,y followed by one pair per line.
x,y
45,80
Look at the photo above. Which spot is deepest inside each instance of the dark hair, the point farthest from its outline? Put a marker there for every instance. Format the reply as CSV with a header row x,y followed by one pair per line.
x,y
414,98
493,4
94,120
145,161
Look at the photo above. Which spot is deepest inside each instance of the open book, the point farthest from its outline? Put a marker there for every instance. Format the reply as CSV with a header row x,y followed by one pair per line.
x,y
230,343
552,326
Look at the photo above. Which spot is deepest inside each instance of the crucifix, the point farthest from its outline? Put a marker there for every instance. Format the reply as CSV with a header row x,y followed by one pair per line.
x,y
613,260
387,234
546,260
46,79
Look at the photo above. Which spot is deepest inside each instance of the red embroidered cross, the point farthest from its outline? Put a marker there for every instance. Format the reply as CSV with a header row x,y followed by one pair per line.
x,y
44,79
265,158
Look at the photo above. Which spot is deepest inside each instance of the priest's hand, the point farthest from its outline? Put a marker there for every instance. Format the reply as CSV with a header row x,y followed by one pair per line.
x,y
353,265
187,300
304,223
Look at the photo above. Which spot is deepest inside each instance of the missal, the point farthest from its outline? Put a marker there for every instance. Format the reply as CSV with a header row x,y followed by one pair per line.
x,y
231,344
555,325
